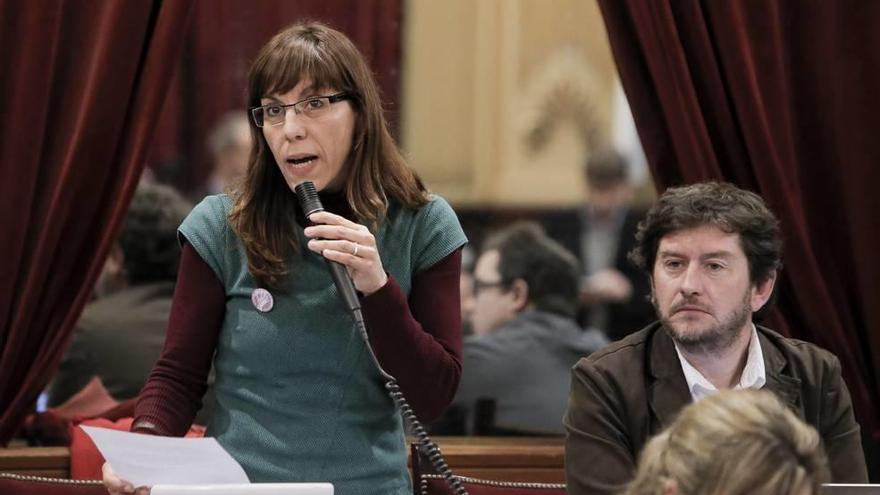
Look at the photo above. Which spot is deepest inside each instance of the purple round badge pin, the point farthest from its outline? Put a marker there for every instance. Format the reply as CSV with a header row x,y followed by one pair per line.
x,y
262,300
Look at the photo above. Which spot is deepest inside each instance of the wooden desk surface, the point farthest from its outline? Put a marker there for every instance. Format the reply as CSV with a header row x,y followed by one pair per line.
x,y
528,459
53,462
497,458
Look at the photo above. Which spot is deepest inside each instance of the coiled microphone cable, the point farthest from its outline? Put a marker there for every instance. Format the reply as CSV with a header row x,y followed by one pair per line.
x,y
310,203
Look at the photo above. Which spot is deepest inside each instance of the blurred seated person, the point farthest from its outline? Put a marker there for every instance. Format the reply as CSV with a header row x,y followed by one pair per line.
x,y
525,337
230,145
466,289
614,292
120,334
738,442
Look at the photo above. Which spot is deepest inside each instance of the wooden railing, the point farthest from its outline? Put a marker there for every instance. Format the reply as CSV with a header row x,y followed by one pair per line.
x,y
496,458
529,459
53,462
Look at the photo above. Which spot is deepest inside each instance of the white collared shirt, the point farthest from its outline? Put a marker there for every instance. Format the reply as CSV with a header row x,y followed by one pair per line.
x,y
754,375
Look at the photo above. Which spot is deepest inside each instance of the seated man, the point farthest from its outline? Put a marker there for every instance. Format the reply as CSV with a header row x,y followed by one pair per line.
x,y
120,335
525,337
713,252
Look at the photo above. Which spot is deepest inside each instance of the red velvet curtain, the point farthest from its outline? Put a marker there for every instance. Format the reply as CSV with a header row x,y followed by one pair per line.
x,y
82,85
224,37
780,97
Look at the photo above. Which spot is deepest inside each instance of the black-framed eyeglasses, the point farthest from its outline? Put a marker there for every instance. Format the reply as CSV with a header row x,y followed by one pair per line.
x,y
480,285
313,106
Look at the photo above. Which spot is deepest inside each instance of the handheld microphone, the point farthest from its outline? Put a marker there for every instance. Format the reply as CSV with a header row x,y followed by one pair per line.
x,y
310,203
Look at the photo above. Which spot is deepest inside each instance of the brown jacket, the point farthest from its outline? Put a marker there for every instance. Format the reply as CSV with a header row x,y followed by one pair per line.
x,y
632,389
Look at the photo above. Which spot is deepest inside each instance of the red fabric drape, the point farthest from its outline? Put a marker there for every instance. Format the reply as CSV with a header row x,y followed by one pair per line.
x,y
79,97
781,98
223,39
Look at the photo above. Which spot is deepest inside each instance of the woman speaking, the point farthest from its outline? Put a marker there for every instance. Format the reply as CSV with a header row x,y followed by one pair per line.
x,y
298,397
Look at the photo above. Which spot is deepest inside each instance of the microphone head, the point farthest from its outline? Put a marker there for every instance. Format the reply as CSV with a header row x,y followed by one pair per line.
x,y
308,198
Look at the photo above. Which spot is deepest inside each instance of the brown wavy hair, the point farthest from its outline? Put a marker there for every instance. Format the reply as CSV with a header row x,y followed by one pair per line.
x,y
731,209
376,172
737,442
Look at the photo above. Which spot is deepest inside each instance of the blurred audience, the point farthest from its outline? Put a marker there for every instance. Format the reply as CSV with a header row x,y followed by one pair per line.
x,y
466,289
737,442
614,293
517,364
230,145
120,335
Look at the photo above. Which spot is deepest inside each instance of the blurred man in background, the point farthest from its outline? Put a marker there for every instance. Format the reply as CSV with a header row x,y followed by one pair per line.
x,y
120,335
525,339
614,293
230,145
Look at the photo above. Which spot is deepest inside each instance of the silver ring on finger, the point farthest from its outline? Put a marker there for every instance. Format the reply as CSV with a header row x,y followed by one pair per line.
x,y
355,252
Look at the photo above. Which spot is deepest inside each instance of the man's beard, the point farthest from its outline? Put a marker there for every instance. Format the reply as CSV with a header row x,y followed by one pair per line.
x,y
713,339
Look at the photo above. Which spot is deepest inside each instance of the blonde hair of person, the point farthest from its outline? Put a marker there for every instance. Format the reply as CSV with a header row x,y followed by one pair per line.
x,y
736,442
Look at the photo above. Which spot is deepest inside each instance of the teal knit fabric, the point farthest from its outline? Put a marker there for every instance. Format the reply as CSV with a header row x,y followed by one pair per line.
x,y
297,395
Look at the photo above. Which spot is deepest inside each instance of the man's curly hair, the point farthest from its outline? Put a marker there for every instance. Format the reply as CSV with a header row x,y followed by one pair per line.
x,y
549,269
149,233
722,204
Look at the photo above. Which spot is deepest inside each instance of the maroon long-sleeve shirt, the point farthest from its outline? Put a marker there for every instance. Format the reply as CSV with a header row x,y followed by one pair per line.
x,y
416,339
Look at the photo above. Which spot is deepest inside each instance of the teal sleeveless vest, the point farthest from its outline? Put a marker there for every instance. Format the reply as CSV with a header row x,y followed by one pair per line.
x,y
297,395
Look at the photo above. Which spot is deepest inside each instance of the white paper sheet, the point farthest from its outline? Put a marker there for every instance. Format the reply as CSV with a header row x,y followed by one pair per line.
x,y
147,460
